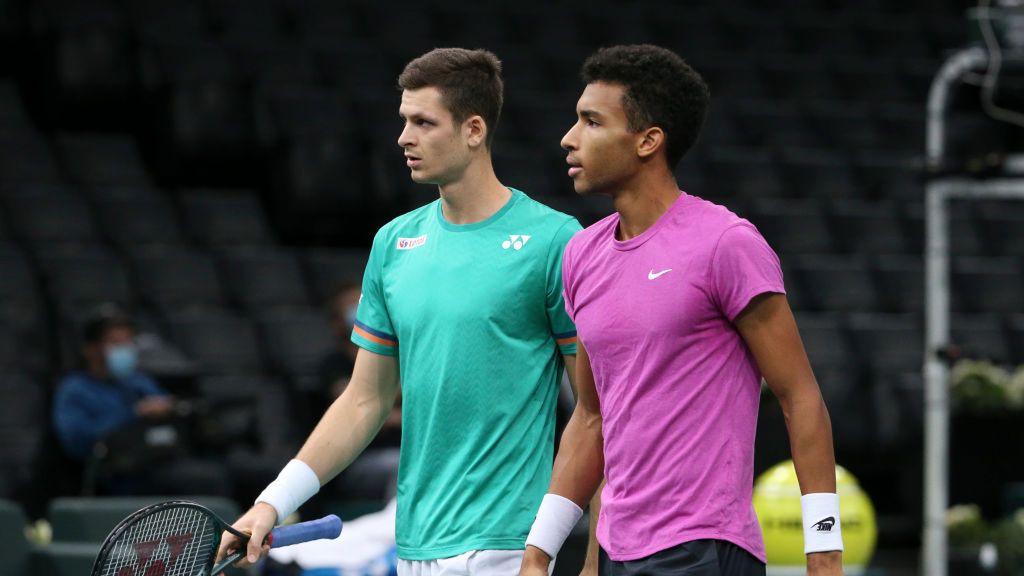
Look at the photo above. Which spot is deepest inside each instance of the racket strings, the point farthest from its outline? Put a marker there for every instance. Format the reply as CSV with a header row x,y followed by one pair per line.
x,y
176,541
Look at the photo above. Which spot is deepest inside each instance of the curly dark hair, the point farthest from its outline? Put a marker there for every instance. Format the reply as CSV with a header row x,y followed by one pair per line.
x,y
661,90
469,81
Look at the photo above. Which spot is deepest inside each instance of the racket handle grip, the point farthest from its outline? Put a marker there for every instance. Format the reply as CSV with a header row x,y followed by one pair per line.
x,y
328,527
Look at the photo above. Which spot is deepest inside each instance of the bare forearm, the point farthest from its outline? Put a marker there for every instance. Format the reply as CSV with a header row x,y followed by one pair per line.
x,y
579,465
810,440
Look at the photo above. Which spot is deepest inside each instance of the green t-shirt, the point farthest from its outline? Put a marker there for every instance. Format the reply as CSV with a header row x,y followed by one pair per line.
x,y
476,317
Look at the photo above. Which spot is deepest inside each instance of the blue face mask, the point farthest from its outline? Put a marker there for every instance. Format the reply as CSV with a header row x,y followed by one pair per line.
x,y
122,360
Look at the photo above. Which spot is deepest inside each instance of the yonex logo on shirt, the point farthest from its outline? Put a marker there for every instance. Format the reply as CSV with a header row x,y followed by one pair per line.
x,y
516,241
410,243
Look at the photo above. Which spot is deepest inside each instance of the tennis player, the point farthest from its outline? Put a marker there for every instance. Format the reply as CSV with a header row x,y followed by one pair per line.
x,y
462,298
681,311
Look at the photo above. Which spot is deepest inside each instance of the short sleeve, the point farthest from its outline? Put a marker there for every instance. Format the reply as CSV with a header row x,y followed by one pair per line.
x,y
562,327
373,329
743,266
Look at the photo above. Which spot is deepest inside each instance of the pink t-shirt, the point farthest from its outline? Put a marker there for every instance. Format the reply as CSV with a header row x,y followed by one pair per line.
x,y
679,389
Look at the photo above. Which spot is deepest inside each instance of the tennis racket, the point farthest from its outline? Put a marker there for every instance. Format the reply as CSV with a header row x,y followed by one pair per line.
x,y
181,539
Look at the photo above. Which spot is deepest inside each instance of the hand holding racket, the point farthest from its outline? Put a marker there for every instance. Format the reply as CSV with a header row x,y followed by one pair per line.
x,y
182,539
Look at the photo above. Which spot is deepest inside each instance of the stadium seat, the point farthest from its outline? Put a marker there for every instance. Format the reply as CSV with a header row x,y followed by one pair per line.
x,y
221,342
721,127
538,119
888,343
268,65
23,416
249,23
64,558
1015,326
1003,225
774,124
819,173
176,277
297,340
329,268
889,177
258,277
900,281
793,227
25,157
13,544
12,111
819,34
885,35
287,113
356,66
85,64
730,78
201,110
102,159
834,283
871,81
987,285
849,402
527,170
226,217
897,401
845,125
744,172
903,125
24,343
132,220
49,214
826,341
163,20
801,78
980,336
316,188
870,227
83,275
964,238
255,413
91,519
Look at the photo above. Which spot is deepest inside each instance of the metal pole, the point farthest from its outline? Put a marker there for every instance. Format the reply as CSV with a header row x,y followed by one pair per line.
x,y
936,429
936,392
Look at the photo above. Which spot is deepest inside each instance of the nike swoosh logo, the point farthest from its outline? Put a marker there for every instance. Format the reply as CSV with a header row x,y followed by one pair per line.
x,y
652,274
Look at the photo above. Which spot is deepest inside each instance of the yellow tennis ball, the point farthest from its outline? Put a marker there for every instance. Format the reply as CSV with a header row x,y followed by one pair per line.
x,y
777,502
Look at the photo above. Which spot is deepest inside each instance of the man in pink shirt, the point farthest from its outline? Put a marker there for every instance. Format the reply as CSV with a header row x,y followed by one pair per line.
x,y
680,310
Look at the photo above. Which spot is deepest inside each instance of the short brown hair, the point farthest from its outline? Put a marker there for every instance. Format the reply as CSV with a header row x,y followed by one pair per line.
x,y
469,81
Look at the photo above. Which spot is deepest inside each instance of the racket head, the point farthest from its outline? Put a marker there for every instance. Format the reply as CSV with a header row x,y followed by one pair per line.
x,y
177,538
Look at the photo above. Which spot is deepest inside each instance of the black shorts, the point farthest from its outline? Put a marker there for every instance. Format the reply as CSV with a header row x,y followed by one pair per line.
x,y
696,558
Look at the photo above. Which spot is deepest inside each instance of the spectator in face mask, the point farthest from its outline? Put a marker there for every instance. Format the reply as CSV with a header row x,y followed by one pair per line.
x,y
111,400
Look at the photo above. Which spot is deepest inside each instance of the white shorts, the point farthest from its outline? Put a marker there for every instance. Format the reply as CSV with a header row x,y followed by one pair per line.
x,y
473,563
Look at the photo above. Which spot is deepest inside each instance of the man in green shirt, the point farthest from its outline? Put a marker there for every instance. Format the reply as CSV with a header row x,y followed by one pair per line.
x,y
463,299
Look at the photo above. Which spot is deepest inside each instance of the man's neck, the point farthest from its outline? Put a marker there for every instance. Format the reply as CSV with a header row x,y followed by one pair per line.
x,y
475,197
642,201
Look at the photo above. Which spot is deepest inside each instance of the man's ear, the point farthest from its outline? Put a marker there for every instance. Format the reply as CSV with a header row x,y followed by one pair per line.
x,y
474,129
649,142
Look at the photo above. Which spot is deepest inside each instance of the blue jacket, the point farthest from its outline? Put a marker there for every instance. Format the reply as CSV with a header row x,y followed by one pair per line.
x,y
86,408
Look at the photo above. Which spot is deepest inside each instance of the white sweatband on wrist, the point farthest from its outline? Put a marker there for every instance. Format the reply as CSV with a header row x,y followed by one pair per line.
x,y
556,518
294,485
822,530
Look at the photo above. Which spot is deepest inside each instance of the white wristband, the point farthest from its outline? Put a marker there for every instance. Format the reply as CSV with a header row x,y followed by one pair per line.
x,y
556,518
822,530
294,485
